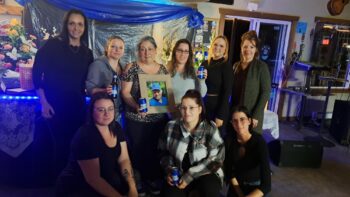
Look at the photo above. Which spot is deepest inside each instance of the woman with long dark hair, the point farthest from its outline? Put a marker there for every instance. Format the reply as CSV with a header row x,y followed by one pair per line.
x,y
247,167
59,74
182,71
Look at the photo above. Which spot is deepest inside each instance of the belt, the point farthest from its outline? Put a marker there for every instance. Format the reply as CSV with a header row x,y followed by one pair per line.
x,y
212,95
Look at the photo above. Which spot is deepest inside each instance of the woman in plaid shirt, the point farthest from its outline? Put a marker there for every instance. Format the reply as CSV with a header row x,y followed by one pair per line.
x,y
194,146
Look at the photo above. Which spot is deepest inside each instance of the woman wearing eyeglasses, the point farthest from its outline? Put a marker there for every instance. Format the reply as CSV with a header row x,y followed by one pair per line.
x,y
195,147
99,163
142,129
182,71
247,167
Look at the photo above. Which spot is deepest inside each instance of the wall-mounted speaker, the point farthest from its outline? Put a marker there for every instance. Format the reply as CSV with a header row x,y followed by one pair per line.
x,y
290,153
340,124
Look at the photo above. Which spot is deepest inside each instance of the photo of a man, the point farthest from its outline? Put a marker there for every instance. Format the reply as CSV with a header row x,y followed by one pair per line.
x,y
157,96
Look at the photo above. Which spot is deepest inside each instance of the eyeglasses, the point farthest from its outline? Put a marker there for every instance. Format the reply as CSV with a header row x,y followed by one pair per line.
x,y
243,119
182,51
191,108
103,110
146,49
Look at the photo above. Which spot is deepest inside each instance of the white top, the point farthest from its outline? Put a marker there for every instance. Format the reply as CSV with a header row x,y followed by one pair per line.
x,y
181,85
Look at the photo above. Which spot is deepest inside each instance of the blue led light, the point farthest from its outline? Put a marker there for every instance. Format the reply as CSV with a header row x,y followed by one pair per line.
x,y
5,97
18,97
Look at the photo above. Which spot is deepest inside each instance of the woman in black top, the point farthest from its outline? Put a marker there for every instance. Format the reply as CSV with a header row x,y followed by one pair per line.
x,y
247,166
218,81
59,74
99,156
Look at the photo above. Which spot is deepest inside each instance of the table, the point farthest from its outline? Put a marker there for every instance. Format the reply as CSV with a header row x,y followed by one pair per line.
x,y
17,123
271,123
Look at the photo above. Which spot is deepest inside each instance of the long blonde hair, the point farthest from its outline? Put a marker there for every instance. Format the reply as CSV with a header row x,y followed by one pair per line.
x,y
210,54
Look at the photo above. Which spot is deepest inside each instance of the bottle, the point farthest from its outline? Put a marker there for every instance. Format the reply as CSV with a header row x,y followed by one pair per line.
x,y
115,86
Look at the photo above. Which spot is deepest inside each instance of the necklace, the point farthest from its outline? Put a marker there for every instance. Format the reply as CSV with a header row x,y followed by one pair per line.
x,y
74,49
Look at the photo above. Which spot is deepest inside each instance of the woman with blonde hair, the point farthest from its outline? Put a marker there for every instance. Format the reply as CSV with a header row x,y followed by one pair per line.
x,y
103,69
218,81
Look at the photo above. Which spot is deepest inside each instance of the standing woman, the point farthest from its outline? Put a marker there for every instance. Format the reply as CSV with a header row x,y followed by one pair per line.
x,y
102,70
182,71
194,146
218,81
247,167
99,163
251,80
143,129
59,74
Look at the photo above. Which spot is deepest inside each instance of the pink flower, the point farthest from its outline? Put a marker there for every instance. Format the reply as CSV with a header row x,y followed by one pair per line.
x,y
33,44
2,56
7,65
7,46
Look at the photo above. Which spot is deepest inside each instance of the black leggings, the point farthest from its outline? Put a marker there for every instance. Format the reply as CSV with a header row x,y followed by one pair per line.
x,y
143,141
207,186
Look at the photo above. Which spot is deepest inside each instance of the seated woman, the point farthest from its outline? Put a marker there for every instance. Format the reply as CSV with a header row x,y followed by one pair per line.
x,y
246,164
194,146
99,163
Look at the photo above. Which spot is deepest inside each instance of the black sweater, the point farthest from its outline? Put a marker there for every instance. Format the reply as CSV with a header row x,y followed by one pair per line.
x,y
253,166
219,81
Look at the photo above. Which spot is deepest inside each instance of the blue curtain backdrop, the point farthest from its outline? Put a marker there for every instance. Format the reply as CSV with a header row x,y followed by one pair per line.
x,y
129,12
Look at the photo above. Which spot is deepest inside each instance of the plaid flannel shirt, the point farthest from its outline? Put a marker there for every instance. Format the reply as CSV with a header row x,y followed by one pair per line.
x,y
208,149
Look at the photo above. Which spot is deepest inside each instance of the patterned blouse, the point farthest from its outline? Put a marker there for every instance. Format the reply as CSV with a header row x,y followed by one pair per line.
x,y
132,76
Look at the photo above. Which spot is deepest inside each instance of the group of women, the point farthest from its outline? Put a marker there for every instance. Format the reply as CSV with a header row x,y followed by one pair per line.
x,y
99,162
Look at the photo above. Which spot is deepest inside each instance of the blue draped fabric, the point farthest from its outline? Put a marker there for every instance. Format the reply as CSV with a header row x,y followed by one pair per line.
x,y
129,12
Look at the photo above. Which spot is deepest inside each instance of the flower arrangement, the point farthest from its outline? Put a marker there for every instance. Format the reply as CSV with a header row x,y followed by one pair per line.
x,y
45,34
16,46
200,55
